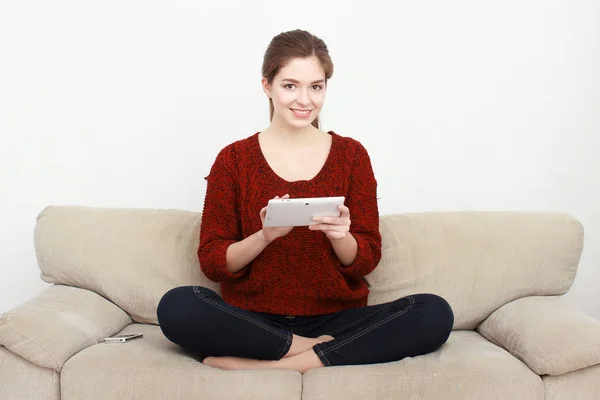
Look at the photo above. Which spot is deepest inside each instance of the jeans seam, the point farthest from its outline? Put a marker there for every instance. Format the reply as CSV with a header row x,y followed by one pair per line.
x,y
284,348
232,312
321,354
358,321
369,329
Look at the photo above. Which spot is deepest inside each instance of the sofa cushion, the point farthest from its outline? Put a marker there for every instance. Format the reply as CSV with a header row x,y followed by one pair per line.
x,y
154,368
549,333
580,385
130,256
477,261
21,379
58,322
466,367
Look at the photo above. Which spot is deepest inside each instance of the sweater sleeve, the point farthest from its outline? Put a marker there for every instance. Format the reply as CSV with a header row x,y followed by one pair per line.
x,y
364,216
220,225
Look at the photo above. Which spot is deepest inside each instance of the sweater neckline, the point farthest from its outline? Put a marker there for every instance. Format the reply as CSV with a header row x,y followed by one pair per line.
x,y
319,174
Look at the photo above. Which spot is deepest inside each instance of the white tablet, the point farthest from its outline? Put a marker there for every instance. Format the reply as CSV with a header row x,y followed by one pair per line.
x,y
299,212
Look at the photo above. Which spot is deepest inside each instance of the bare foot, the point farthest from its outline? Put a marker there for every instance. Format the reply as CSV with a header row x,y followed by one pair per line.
x,y
300,344
231,363
301,362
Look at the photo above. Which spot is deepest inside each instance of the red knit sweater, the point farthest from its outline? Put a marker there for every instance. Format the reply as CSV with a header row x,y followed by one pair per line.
x,y
297,274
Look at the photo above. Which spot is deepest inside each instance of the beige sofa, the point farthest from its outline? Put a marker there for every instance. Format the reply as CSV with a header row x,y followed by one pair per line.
x,y
504,274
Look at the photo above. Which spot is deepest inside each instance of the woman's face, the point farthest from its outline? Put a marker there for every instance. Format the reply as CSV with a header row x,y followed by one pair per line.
x,y
298,92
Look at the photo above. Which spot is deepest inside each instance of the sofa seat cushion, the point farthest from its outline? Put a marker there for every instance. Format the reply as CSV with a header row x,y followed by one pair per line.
x,y
466,367
21,379
581,385
154,368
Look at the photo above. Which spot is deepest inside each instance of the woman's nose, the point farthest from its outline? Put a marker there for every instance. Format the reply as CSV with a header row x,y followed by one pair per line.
x,y
302,98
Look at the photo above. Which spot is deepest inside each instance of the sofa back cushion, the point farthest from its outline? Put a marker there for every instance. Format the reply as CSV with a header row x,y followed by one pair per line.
x,y
129,256
477,261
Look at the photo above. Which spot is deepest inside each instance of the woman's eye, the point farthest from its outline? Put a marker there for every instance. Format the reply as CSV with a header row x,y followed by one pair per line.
x,y
291,86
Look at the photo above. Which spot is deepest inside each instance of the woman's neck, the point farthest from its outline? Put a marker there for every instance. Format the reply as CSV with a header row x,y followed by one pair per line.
x,y
287,136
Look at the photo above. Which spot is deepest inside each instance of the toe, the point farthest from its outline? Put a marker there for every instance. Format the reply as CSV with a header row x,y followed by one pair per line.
x,y
325,338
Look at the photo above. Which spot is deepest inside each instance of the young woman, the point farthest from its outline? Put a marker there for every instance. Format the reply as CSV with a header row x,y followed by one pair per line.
x,y
295,298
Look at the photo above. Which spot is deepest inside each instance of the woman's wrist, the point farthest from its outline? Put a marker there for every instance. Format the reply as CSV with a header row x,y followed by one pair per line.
x,y
334,239
240,254
345,248
262,235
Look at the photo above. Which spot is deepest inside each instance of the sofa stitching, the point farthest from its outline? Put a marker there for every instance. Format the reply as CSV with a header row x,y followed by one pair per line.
x,y
568,353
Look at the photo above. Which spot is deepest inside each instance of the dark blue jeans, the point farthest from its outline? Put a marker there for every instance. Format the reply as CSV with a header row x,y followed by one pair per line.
x,y
197,319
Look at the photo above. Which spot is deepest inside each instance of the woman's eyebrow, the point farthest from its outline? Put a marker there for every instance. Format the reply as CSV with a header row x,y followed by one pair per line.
x,y
295,81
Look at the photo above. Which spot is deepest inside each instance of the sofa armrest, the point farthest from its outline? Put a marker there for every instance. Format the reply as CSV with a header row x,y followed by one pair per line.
x,y
58,323
548,333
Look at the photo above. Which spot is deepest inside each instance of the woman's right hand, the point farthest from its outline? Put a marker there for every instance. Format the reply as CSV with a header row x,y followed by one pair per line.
x,y
271,234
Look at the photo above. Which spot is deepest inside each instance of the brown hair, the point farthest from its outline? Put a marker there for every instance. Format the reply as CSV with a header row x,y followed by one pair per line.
x,y
294,44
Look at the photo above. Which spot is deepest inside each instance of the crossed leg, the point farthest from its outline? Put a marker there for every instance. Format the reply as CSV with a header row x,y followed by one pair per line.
x,y
301,357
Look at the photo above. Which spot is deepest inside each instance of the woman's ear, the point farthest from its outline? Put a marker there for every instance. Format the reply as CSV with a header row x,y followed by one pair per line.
x,y
266,87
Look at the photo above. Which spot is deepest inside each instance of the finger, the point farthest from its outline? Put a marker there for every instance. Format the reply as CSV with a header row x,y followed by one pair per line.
x,y
329,228
332,220
327,220
285,196
345,211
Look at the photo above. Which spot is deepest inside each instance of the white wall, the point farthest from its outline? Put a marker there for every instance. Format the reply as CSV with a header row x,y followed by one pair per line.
x,y
463,105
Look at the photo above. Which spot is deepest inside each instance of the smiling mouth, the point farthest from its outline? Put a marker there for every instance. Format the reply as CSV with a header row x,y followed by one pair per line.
x,y
301,113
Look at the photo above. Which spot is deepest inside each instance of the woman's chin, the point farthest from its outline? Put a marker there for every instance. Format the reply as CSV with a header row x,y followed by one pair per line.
x,y
300,124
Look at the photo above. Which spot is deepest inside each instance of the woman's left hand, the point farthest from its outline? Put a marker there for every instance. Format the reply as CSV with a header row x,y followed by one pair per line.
x,y
335,228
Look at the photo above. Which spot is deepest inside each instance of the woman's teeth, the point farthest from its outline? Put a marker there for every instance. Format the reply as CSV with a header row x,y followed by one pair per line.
x,y
301,113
